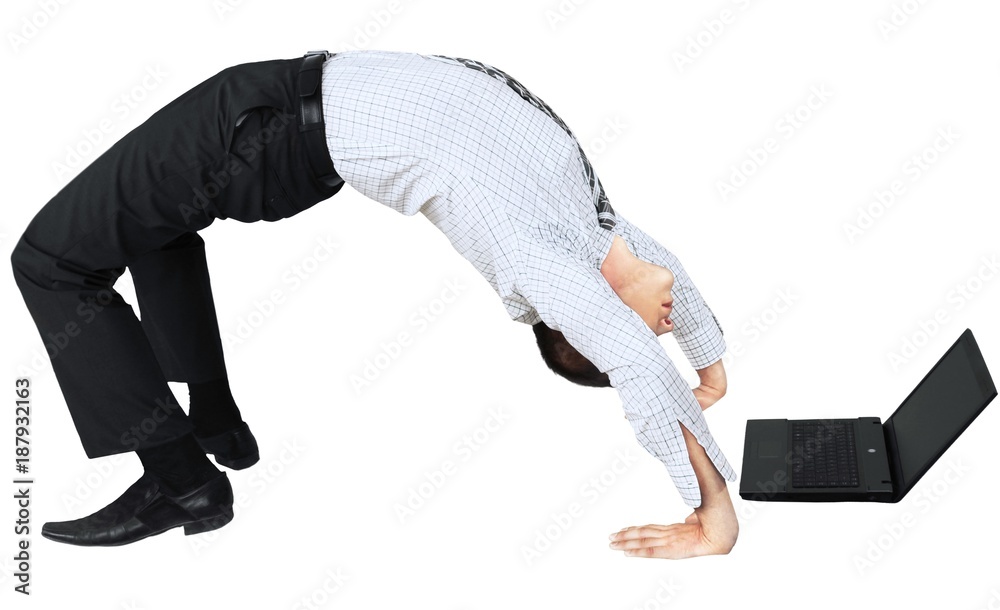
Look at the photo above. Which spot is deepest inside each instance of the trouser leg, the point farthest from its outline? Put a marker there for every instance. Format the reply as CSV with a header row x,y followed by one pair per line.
x,y
191,162
177,310
130,202
116,392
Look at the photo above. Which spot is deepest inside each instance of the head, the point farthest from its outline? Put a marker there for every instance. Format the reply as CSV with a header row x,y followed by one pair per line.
x,y
643,286
565,360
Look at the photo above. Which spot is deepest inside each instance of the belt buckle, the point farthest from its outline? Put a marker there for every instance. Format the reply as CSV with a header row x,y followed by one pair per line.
x,y
323,52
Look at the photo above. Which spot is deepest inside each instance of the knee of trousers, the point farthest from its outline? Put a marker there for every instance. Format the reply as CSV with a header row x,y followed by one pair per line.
x,y
31,266
36,271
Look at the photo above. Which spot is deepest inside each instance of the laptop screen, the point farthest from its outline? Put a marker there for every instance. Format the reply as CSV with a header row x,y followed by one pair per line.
x,y
940,408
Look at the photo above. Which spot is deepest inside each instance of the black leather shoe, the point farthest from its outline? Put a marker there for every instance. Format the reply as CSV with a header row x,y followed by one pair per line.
x,y
145,510
236,448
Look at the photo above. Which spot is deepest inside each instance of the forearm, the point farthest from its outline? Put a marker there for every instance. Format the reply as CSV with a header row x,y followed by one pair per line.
x,y
710,481
714,377
716,515
713,384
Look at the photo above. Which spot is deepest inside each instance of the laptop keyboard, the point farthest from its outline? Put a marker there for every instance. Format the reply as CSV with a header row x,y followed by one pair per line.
x,y
824,454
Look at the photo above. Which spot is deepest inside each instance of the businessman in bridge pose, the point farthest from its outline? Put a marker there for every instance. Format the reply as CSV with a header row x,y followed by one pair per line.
x,y
463,143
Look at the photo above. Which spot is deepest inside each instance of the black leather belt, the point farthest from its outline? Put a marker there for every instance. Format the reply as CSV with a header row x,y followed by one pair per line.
x,y
310,82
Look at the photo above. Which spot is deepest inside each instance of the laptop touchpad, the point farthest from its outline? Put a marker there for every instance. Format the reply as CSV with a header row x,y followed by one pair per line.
x,y
769,449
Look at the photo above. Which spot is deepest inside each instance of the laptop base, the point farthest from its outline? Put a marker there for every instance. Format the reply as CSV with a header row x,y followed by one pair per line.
x,y
770,461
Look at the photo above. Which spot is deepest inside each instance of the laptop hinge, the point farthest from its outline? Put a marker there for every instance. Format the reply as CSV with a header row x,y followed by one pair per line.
x,y
895,468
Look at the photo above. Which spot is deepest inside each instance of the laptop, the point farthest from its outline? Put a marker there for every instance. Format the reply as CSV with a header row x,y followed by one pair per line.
x,y
863,459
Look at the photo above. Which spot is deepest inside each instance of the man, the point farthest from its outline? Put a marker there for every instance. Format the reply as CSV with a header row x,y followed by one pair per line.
x,y
486,161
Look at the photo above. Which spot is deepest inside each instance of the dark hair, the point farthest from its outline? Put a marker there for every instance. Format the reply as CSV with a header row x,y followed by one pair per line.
x,y
565,360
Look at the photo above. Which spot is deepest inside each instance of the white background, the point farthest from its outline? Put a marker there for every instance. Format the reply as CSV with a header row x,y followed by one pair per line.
x,y
661,134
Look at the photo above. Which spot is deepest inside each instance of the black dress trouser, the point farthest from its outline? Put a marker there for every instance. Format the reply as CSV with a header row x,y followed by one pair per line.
x,y
239,145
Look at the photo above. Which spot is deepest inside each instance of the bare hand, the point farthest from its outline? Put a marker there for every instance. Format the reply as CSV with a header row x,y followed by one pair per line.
x,y
677,541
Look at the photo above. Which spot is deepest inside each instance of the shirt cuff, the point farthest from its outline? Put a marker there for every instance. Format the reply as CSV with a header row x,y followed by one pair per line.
x,y
704,346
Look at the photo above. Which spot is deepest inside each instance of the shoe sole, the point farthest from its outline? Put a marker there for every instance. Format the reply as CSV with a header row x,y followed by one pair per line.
x,y
238,463
209,524
196,527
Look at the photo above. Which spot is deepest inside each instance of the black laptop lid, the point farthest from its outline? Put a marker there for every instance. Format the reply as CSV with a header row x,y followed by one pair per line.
x,y
938,410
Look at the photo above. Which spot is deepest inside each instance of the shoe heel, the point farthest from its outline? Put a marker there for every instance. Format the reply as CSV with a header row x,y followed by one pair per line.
x,y
209,524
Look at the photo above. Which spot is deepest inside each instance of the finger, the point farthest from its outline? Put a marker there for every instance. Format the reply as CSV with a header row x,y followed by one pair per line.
x,y
666,551
662,539
641,531
638,543
636,532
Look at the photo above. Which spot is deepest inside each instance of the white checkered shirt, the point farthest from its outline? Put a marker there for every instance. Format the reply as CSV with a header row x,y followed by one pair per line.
x,y
507,182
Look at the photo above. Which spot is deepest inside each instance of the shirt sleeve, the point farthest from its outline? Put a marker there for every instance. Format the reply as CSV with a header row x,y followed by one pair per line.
x,y
577,300
696,329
